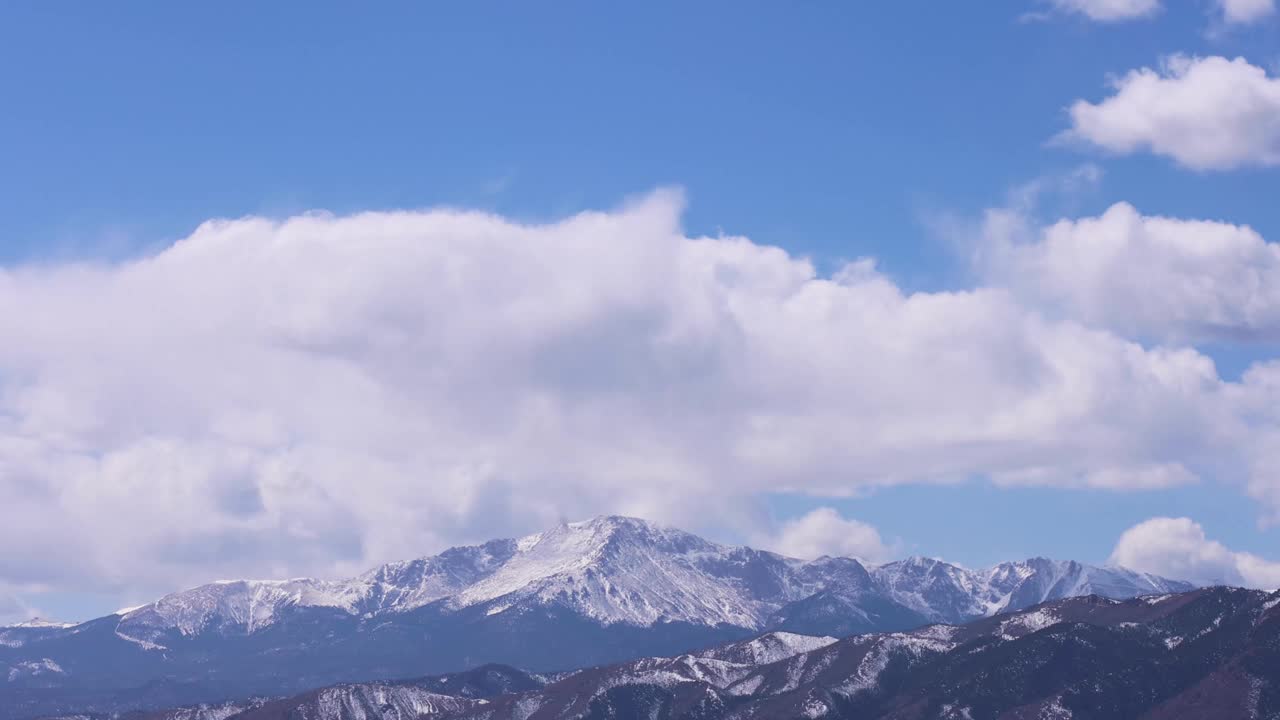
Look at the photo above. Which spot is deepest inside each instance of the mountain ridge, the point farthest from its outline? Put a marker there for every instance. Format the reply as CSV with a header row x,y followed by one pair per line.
x,y
545,566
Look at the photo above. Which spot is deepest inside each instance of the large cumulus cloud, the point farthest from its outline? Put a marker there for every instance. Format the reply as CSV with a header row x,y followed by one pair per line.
x,y
1179,547
1158,278
312,395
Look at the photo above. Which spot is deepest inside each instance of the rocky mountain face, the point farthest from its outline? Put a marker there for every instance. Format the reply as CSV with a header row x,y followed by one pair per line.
x,y
1211,654
579,594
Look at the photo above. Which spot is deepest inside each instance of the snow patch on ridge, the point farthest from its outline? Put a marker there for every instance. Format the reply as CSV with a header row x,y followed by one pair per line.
x,y
882,651
1027,623
377,701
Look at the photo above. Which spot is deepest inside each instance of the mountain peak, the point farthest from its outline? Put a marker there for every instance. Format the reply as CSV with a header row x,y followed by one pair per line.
x,y
921,561
39,622
623,526
607,526
598,536
613,522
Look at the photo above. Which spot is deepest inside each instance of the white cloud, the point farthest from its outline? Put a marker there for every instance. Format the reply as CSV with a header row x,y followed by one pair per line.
x,y
1109,10
1178,548
824,531
1152,277
1155,476
1243,12
1205,113
1233,12
318,394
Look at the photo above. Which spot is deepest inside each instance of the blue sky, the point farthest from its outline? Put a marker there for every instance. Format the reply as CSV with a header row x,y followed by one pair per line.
x,y
826,128
835,131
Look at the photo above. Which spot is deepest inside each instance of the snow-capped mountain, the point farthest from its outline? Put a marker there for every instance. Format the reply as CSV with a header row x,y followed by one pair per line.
x,y
34,629
948,593
578,594
624,570
247,606
608,570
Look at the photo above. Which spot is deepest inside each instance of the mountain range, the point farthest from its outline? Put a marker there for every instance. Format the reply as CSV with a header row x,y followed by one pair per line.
x,y
581,594
1209,654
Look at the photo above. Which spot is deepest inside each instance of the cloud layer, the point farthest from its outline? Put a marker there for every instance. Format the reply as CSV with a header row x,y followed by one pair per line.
x,y
1232,12
313,395
1243,12
1178,548
1159,278
1109,10
1207,113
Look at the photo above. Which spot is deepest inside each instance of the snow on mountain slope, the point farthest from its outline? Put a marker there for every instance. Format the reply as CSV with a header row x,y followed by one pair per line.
x,y
949,593
43,666
767,648
244,606
237,606
365,701
403,586
719,667
380,701
1022,584
221,711
938,590
623,570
